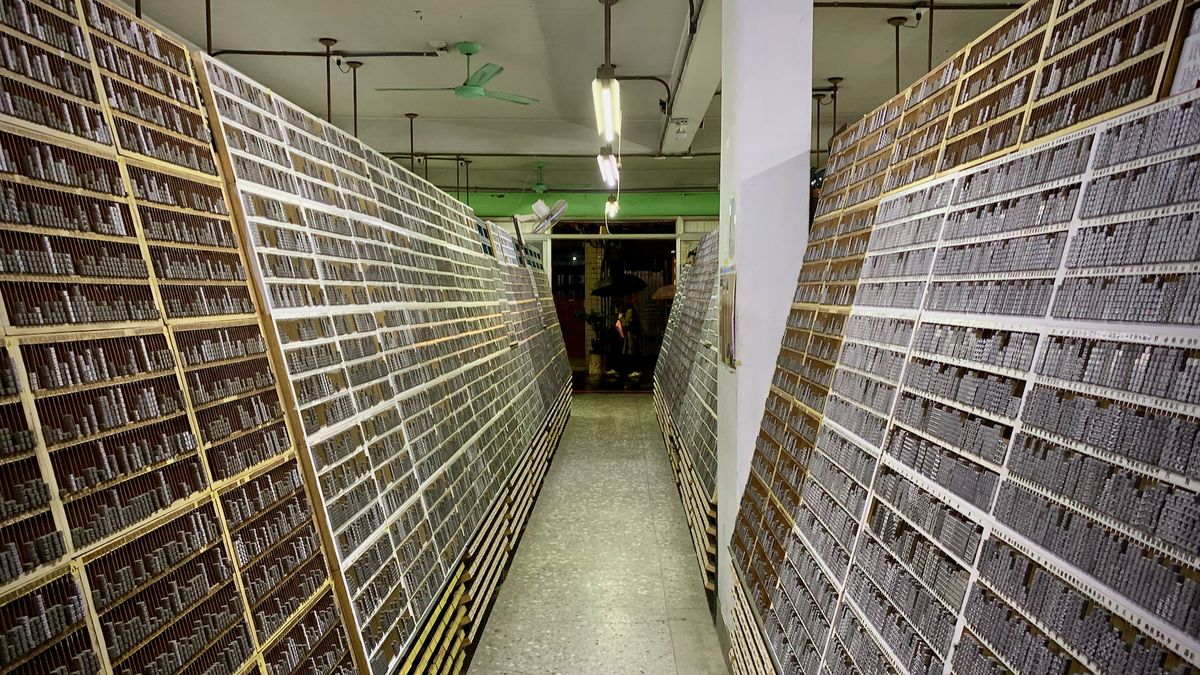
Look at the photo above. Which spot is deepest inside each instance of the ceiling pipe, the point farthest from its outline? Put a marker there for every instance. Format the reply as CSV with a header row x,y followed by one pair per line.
x,y
354,66
929,59
467,175
329,43
896,22
956,6
818,97
208,30
412,145
342,53
451,156
650,78
834,83
137,9
608,31
648,190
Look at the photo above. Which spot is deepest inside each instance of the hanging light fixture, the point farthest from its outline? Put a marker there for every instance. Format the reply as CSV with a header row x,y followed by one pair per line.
x,y
606,90
611,206
609,169
606,97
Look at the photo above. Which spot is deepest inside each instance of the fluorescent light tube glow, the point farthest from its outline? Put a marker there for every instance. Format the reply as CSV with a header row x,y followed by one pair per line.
x,y
608,167
606,98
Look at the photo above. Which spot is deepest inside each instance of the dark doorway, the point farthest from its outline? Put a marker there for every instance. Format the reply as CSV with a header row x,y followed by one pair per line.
x,y
628,272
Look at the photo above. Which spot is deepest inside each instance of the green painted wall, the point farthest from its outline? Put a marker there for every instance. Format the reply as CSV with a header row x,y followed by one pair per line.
x,y
590,205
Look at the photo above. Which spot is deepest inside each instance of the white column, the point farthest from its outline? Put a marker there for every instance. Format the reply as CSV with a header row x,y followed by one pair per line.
x,y
765,139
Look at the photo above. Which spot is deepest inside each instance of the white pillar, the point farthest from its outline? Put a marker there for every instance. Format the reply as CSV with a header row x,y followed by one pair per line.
x,y
765,139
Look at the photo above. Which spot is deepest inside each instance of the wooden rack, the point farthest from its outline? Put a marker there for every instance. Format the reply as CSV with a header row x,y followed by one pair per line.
x,y
685,400
164,508
922,400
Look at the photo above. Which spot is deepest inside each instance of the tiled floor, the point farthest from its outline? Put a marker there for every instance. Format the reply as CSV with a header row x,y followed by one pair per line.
x,y
605,580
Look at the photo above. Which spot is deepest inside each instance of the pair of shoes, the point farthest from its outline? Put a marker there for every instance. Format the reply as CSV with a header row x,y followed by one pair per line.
x,y
634,375
611,373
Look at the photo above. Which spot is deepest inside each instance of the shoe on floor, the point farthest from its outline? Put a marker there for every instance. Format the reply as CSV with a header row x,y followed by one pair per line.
x,y
634,375
611,373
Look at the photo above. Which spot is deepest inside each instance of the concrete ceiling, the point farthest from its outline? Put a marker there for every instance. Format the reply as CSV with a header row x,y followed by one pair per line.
x,y
549,50
859,45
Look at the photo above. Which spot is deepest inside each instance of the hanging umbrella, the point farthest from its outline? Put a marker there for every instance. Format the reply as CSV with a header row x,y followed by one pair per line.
x,y
664,293
619,285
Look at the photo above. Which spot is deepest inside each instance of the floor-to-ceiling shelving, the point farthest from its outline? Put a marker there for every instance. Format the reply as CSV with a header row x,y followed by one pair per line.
x,y
987,406
155,471
420,360
685,398
163,512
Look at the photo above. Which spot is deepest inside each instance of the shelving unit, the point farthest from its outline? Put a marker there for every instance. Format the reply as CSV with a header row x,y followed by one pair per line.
x,y
986,386
685,399
141,408
425,368
159,514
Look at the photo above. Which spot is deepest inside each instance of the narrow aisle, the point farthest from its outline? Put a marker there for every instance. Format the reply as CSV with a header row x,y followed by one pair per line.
x,y
605,580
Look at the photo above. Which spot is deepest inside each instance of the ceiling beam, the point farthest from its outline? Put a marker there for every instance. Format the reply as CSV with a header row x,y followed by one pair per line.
x,y
698,83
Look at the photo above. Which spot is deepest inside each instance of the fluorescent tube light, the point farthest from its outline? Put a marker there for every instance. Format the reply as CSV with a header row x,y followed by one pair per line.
x,y
608,166
606,97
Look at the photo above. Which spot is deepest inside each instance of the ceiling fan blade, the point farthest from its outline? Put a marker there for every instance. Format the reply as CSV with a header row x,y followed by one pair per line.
x,y
414,89
483,75
511,98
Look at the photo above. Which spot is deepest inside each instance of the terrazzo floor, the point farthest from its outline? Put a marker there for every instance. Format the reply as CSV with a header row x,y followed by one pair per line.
x,y
604,580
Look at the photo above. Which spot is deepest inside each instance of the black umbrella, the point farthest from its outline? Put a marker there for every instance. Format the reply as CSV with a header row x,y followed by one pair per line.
x,y
619,285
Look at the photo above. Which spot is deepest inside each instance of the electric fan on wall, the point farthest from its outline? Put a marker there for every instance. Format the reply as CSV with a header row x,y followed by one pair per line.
x,y
543,217
475,84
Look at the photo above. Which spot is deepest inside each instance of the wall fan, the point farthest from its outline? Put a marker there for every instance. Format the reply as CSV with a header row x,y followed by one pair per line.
x,y
474,85
543,217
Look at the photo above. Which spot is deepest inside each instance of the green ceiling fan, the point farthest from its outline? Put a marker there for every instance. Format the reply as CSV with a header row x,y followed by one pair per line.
x,y
473,86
